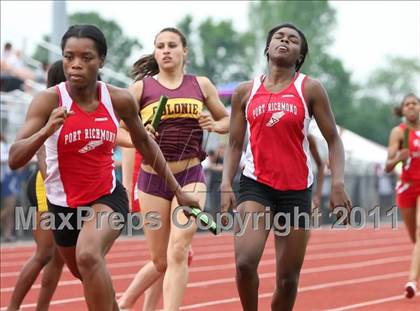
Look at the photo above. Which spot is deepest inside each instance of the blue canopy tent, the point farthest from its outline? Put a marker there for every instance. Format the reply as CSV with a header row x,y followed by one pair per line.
x,y
226,90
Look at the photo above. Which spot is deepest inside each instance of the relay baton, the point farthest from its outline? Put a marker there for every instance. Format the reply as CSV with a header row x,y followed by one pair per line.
x,y
405,143
204,219
159,111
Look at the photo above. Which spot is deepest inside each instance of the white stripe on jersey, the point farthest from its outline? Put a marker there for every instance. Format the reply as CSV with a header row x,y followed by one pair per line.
x,y
54,188
255,86
298,86
249,169
106,101
306,150
66,100
305,144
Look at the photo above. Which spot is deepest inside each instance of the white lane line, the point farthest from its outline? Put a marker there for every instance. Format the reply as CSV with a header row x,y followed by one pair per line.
x,y
262,263
338,267
210,248
216,255
370,303
261,296
302,289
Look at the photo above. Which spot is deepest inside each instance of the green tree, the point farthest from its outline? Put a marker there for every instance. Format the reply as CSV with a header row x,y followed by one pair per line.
x,y
218,51
398,77
372,119
185,25
372,114
120,46
317,20
41,54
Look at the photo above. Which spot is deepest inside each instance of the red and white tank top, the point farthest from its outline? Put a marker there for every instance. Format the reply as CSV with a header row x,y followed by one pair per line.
x,y
411,168
80,167
277,124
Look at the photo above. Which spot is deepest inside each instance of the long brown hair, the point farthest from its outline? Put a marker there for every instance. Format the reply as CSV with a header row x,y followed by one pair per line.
x,y
147,64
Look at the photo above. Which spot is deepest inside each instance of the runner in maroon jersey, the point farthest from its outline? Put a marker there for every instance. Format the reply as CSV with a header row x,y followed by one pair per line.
x,y
180,136
276,110
78,122
407,149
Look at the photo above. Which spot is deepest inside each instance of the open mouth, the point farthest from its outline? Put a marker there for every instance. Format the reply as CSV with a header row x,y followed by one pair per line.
x,y
283,49
412,113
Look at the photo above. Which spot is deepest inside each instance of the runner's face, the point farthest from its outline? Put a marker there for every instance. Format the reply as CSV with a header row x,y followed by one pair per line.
x,y
285,46
169,51
81,61
411,109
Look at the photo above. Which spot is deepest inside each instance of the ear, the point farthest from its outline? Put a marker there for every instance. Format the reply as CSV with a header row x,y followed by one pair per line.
x,y
266,50
102,62
299,60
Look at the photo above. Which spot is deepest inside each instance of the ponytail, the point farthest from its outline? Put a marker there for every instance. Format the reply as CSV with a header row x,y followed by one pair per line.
x,y
398,111
145,66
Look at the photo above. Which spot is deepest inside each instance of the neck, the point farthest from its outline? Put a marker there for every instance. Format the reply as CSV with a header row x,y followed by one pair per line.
x,y
172,76
278,74
171,79
83,94
415,124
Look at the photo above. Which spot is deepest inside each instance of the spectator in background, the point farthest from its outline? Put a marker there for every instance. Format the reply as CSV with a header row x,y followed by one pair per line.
x,y
215,171
206,163
320,164
385,190
4,156
10,187
117,163
10,60
13,70
41,73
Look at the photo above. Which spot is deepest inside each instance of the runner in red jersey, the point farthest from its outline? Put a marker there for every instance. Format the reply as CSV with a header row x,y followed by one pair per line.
x,y
407,150
130,173
136,172
78,121
276,110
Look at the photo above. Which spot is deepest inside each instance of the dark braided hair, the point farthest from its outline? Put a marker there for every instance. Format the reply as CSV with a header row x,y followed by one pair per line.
x,y
398,110
87,31
303,46
55,74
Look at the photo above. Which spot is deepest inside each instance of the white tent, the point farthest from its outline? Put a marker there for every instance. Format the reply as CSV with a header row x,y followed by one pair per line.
x,y
363,156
